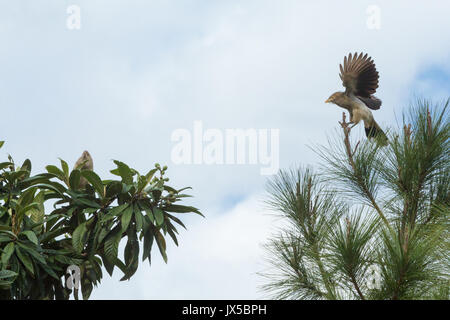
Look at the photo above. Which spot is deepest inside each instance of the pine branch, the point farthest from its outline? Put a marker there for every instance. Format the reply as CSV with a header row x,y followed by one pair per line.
x,y
355,284
360,179
310,221
351,274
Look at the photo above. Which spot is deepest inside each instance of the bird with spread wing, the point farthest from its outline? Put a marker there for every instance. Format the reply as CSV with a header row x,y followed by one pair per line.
x,y
360,79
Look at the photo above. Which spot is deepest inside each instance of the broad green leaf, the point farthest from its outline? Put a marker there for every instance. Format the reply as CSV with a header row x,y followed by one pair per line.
x,y
148,241
115,212
7,252
65,167
31,236
149,216
26,260
32,252
171,230
4,239
126,217
182,189
147,208
170,189
74,179
115,172
86,289
161,242
4,165
109,266
52,235
56,171
131,258
139,218
11,234
31,181
5,274
16,175
150,174
103,233
78,237
159,216
143,181
26,165
182,209
95,180
176,220
88,203
36,215
113,189
27,196
112,245
58,188
29,207
90,210
50,271
125,172
7,278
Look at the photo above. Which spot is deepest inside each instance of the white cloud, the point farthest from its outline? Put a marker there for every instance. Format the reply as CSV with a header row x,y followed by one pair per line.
x,y
218,258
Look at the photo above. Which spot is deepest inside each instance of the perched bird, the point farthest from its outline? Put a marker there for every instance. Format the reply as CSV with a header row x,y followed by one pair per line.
x,y
360,79
85,162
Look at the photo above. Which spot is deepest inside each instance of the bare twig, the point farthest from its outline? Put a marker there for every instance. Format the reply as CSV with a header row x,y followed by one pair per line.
x,y
407,130
429,127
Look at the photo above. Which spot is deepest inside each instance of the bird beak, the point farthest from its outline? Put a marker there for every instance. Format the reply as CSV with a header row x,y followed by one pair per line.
x,y
328,101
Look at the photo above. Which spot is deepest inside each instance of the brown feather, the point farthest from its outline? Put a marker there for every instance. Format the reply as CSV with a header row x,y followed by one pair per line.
x,y
359,75
371,102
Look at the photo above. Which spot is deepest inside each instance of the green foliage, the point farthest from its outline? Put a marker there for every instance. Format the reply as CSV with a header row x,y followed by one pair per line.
x,y
83,228
373,223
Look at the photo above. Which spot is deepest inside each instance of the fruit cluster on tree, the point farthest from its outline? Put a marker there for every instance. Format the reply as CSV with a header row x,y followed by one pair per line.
x,y
48,223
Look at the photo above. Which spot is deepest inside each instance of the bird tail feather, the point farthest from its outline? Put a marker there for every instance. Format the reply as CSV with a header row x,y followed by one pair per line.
x,y
374,131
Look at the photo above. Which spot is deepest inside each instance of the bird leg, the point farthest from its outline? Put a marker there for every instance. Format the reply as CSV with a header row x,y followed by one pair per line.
x,y
345,124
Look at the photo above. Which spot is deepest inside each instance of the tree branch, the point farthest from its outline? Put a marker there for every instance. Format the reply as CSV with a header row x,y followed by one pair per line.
x,y
360,179
355,284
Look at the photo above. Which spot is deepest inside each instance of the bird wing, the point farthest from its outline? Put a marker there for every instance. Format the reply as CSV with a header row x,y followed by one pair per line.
x,y
371,102
359,75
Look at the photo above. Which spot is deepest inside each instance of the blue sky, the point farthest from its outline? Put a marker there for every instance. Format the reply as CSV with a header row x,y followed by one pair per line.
x,y
137,70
